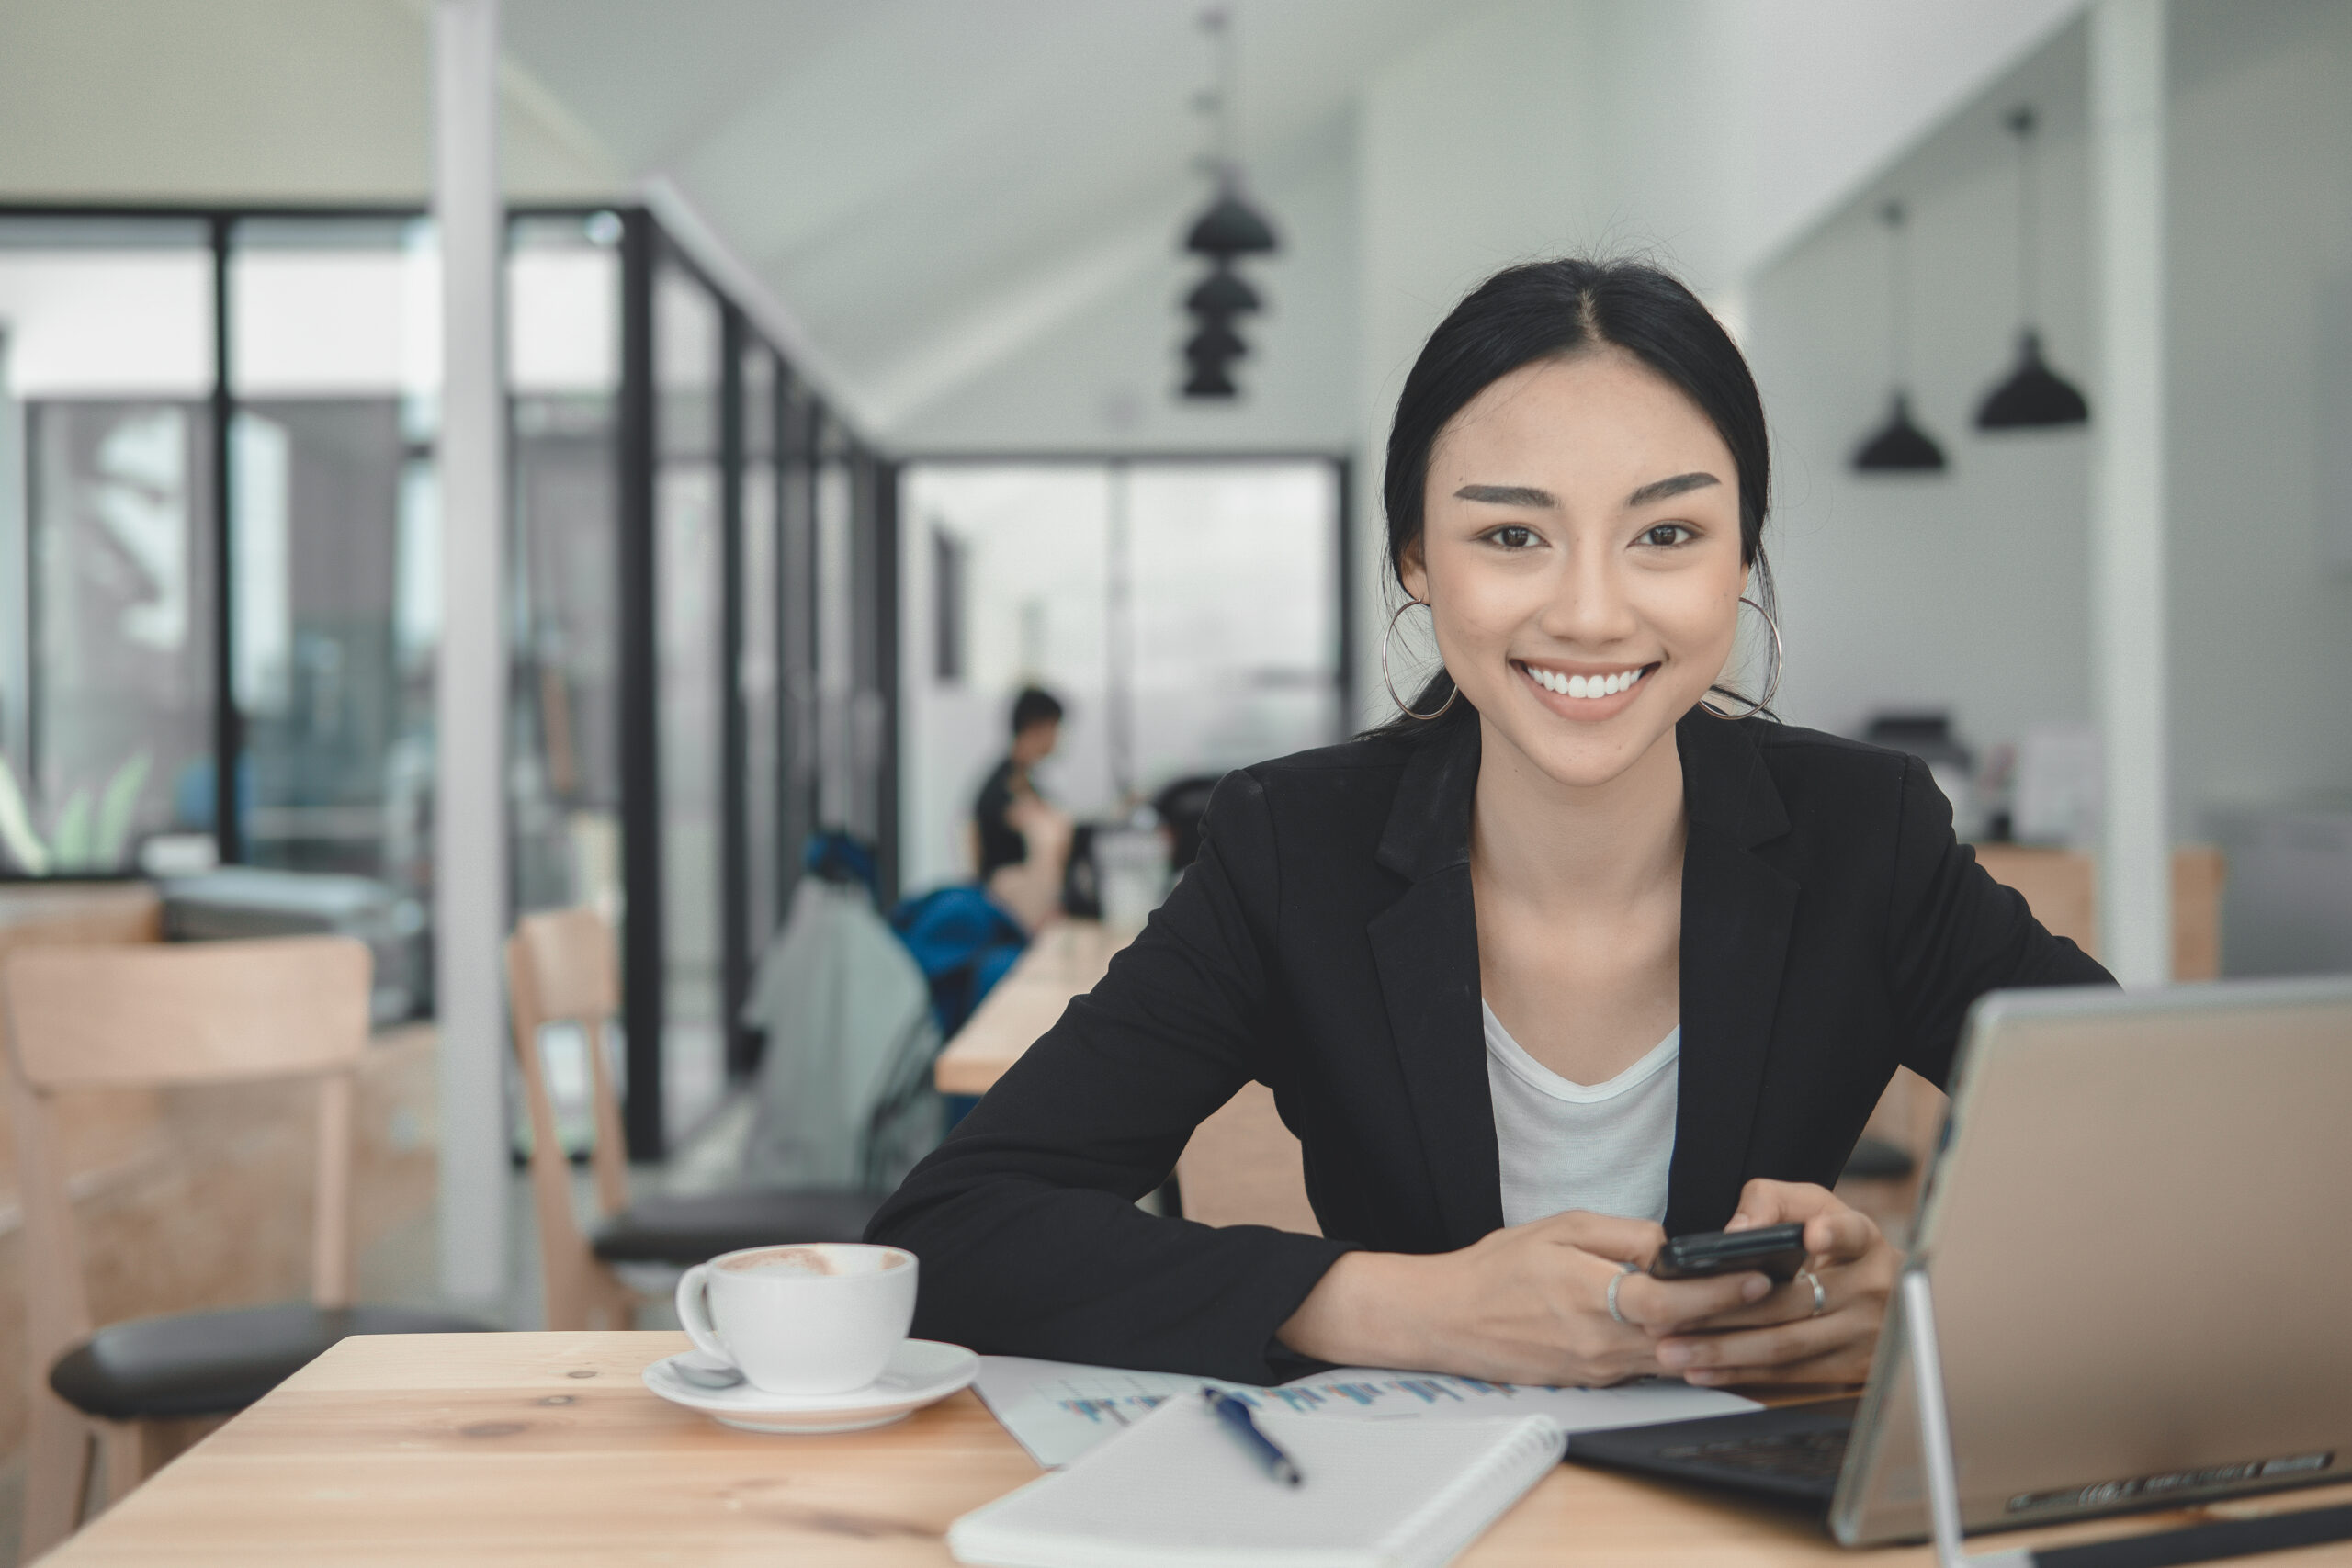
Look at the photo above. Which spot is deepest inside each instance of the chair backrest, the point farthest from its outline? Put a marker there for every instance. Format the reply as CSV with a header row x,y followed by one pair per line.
x,y
560,968
573,971
2062,889
1243,1168
37,914
188,1012
143,1015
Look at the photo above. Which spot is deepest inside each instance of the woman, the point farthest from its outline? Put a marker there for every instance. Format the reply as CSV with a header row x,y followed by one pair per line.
x,y
1559,963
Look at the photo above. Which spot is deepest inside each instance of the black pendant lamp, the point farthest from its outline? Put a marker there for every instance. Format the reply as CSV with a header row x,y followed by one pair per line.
x,y
1898,447
1215,342
1208,379
1228,229
1231,227
2034,396
1207,354
1222,294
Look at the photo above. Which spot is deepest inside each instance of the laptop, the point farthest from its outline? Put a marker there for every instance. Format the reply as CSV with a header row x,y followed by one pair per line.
x,y
2137,1238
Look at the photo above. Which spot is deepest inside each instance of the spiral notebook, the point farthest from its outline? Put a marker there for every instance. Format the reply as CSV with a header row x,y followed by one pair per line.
x,y
1176,1490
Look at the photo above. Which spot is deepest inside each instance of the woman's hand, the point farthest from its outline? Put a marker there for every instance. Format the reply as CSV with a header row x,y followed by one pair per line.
x,y
1780,1338
1525,1304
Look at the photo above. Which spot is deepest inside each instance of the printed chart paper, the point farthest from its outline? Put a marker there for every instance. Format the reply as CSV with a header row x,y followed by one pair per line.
x,y
1058,1410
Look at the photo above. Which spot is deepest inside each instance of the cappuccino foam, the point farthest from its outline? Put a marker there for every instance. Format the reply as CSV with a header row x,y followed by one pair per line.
x,y
783,1261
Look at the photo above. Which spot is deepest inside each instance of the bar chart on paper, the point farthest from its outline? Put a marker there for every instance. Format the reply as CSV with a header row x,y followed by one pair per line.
x,y
1058,1410
1397,1394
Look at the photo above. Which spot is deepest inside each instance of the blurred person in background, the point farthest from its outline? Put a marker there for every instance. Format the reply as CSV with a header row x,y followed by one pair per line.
x,y
1025,838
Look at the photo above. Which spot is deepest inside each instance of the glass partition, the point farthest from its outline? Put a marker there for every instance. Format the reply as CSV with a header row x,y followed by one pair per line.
x,y
686,358
563,370
797,780
1186,612
651,433
855,659
335,367
107,540
757,683
1234,630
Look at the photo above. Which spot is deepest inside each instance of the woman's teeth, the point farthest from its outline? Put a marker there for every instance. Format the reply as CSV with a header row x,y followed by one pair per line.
x,y
1584,685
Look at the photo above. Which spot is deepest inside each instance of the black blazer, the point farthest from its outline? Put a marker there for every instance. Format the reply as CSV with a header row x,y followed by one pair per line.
x,y
1325,945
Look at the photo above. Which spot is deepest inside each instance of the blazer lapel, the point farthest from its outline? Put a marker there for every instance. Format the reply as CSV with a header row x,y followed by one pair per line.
x,y
1736,911
1426,949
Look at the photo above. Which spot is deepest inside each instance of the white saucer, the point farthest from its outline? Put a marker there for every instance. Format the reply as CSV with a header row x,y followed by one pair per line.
x,y
922,1371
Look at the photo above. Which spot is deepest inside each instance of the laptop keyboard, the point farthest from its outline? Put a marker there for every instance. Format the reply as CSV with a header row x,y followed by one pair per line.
x,y
1809,1456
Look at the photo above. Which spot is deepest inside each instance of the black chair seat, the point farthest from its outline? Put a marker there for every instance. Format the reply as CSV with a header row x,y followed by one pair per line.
x,y
212,1363
1876,1159
697,1228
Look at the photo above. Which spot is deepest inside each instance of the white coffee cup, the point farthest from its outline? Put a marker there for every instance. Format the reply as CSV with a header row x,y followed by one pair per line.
x,y
817,1318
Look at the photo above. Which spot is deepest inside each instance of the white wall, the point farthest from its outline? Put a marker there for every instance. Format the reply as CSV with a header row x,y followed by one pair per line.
x,y
1701,133
1105,379
2261,253
1731,126
248,100
1968,590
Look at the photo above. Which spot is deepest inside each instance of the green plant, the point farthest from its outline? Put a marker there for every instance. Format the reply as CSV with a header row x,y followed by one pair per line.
x,y
83,838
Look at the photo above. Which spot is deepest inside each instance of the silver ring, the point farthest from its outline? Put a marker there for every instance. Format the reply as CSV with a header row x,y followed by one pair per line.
x,y
1820,1296
1623,1269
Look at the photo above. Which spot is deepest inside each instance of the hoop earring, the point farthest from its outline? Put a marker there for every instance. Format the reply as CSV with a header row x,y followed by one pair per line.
x,y
1772,683
1385,680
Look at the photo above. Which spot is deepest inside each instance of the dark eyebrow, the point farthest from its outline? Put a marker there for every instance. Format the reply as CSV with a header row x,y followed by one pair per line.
x,y
1660,490
1508,495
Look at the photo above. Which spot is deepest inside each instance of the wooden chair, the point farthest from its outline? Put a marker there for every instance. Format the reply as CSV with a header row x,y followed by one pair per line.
x,y
561,969
116,1016
2062,889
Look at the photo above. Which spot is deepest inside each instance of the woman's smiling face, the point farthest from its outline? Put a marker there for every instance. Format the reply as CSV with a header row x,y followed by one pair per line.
x,y
1580,556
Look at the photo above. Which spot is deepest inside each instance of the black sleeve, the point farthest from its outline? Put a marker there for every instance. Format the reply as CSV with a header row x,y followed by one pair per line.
x,y
1953,933
1024,1219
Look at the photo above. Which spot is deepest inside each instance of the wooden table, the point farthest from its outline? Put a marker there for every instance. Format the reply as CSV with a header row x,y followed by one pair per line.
x,y
1065,961
545,1448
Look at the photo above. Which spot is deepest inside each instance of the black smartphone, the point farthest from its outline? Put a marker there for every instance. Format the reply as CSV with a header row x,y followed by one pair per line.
x,y
1774,1250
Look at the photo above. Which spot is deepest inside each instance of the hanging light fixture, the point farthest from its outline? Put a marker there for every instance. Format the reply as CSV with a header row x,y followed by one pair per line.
x,y
1215,342
1208,379
1222,294
1208,352
2034,396
1231,227
1898,446
1228,229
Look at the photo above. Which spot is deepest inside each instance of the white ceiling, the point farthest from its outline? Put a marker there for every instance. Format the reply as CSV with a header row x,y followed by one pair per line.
x,y
903,173
936,192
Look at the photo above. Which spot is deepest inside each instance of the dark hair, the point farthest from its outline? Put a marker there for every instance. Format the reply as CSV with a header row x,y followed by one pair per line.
x,y
1035,705
1551,310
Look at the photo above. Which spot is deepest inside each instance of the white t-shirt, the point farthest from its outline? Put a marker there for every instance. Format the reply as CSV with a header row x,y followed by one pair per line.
x,y
1604,1148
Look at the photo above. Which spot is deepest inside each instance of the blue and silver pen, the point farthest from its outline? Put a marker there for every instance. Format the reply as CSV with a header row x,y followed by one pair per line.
x,y
1236,1416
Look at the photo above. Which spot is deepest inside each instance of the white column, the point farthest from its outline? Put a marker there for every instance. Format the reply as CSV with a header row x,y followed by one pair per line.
x,y
2127,587
469,706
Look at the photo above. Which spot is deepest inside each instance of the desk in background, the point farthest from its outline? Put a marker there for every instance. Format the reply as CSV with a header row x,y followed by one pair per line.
x,y
1065,960
468,1449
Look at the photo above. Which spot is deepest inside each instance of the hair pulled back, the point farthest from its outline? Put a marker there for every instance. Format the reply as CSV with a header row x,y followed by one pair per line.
x,y
1552,310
